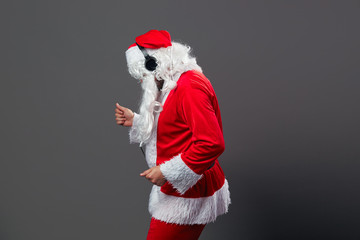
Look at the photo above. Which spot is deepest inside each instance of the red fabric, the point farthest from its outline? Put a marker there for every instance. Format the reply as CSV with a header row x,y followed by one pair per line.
x,y
160,230
154,39
132,45
190,123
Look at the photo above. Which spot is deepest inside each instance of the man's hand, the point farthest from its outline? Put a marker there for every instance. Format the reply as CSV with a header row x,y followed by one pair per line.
x,y
154,175
123,116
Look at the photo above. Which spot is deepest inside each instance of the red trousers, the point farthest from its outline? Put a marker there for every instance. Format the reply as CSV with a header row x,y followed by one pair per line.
x,y
169,231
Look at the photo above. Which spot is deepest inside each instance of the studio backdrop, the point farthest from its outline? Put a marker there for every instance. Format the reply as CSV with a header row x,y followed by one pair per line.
x,y
286,74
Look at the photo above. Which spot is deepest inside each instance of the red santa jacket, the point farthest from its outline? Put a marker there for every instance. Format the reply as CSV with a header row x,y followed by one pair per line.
x,y
187,141
190,139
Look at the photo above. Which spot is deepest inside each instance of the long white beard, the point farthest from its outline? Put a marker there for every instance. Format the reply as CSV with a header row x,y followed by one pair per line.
x,y
148,106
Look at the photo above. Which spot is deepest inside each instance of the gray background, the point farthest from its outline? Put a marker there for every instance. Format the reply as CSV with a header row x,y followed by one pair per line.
x,y
286,74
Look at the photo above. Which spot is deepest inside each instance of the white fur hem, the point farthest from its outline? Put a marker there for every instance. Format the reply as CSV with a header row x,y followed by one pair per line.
x,y
179,210
179,174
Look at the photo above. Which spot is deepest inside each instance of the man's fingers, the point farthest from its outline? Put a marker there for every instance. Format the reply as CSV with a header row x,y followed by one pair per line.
x,y
144,173
118,106
121,122
119,115
118,111
120,119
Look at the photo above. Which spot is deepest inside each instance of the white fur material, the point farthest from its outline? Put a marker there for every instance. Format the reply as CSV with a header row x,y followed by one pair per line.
x,y
134,129
151,151
133,55
150,148
179,174
179,210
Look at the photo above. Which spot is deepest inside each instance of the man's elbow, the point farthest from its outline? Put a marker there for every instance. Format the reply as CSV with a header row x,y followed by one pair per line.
x,y
213,147
219,146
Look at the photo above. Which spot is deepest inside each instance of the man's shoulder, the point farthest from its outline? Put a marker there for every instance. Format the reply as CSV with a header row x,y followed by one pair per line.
x,y
192,80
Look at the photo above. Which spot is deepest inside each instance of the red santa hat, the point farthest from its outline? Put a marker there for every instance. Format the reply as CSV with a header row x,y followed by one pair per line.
x,y
153,39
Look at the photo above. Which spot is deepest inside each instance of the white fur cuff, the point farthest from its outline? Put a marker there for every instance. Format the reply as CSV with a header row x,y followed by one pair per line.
x,y
179,174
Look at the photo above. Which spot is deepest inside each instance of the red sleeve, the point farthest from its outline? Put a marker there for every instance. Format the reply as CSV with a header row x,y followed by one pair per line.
x,y
199,112
199,108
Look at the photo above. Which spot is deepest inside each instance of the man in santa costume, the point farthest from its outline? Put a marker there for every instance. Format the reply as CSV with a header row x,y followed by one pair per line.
x,y
179,124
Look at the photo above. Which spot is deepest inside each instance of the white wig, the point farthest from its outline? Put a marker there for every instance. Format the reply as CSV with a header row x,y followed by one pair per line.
x,y
171,63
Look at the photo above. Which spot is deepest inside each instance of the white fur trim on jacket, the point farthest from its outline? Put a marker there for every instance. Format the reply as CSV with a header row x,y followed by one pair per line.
x,y
179,174
150,147
133,130
179,210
